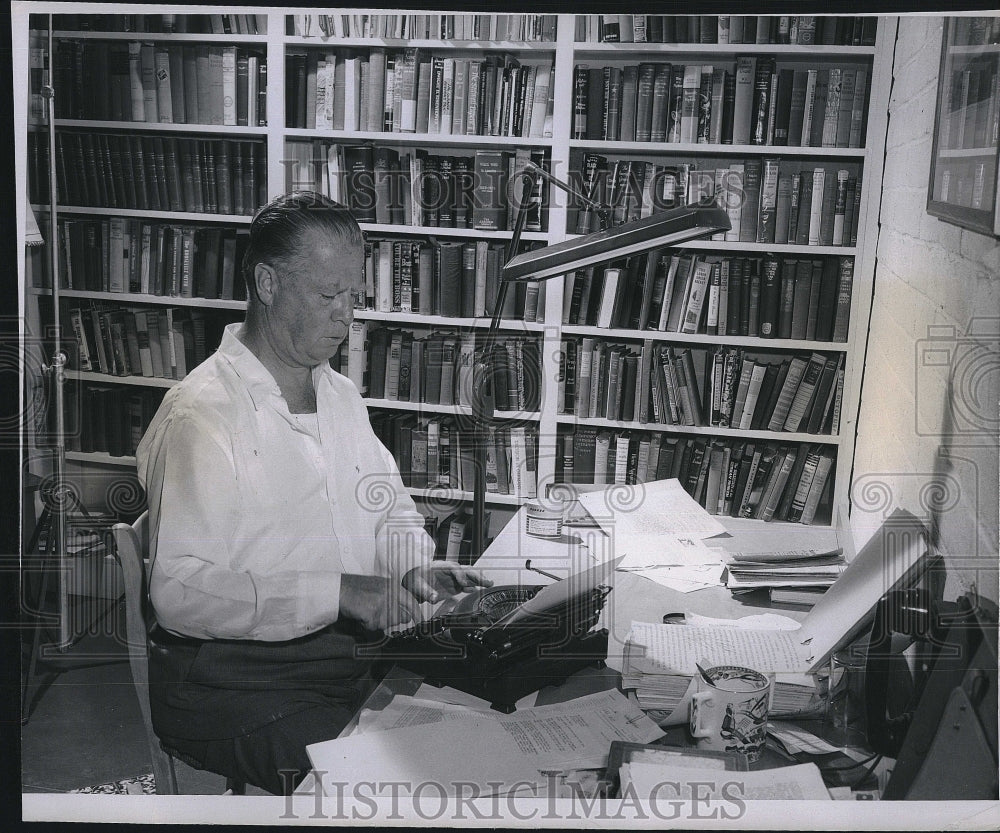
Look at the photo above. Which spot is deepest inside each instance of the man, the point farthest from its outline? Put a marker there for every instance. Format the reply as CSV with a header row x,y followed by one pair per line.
x,y
280,531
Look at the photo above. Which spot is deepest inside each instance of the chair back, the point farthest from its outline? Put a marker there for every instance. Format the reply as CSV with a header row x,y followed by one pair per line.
x,y
132,550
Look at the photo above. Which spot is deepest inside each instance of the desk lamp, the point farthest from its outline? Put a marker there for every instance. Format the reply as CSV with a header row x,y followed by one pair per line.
x,y
661,230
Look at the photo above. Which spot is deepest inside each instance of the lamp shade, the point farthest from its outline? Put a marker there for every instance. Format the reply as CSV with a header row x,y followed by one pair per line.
x,y
664,229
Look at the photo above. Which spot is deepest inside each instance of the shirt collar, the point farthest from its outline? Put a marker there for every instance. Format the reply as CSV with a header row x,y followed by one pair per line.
x,y
260,384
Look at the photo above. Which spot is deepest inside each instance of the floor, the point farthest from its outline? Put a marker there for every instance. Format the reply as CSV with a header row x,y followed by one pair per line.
x,y
85,727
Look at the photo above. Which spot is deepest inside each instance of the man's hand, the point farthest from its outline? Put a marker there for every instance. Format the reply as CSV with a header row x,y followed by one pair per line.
x,y
428,581
377,603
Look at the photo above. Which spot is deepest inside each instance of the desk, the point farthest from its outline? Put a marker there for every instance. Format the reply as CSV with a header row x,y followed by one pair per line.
x,y
634,597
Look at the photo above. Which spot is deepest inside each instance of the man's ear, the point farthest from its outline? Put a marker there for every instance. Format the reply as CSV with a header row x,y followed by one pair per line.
x,y
265,280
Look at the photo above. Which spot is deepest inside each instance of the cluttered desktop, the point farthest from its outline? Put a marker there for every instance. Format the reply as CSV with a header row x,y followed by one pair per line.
x,y
624,650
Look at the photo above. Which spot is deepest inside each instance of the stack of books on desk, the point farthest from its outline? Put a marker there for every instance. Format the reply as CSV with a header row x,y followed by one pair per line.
x,y
798,569
800,598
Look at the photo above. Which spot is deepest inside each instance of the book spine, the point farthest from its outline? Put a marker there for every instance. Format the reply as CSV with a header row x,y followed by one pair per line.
x,y
858,109
843,200
787,393
746,67
767,218
816,206
580,94
811,503
845,285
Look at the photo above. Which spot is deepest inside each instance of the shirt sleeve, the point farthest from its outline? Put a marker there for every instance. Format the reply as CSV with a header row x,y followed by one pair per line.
x,y
190,479
401,533
401,541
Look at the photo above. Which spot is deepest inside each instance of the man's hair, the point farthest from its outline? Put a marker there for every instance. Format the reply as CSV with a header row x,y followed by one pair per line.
x,y
278,230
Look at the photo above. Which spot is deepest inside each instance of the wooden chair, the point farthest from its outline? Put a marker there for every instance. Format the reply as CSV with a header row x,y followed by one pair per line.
x,y
132,550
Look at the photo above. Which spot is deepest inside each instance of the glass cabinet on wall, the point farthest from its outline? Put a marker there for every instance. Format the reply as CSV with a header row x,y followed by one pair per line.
x,y
963,176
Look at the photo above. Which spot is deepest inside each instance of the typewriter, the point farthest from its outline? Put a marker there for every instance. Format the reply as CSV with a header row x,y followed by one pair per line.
x,y
501,643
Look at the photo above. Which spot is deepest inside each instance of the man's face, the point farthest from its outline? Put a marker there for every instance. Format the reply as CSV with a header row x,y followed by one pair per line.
x,y
313,305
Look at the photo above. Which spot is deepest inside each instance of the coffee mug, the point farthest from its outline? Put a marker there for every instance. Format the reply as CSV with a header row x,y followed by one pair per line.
x,y
729,710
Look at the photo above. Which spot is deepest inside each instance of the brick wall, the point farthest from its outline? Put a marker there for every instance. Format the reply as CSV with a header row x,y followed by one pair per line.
x,y
928,427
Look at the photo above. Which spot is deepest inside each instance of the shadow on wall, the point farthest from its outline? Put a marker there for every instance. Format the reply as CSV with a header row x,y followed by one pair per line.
x,y
958,499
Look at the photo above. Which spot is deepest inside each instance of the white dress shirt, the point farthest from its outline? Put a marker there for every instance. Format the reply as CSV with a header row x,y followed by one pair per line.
x,y
255,512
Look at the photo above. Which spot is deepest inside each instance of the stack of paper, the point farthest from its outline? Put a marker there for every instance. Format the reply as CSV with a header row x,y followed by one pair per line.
x,y
790,568
893,556
660,660
412,741
655,689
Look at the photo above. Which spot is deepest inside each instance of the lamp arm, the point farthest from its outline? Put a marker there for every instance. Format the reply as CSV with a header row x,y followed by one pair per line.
x,y
521,220
600,208
483,402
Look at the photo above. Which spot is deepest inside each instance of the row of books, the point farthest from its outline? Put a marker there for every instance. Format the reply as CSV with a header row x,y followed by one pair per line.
x,y
725,387
766,297
383,185
456,279
130,341
435,451
737,478
805,396
111,418
392,364
117,254
963,181
211,24
411,91
801,30
491,27
975,31
970,112
160,83
749,101
452,534
768,200
154,173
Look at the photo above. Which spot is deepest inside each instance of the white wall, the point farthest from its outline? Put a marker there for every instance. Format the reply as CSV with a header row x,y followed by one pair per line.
x,y
920,447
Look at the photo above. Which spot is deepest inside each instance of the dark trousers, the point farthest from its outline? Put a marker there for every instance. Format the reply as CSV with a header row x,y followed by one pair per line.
x,y
272,757
247,710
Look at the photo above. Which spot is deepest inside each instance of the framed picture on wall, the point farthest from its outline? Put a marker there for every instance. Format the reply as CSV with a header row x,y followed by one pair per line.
x,y
963,175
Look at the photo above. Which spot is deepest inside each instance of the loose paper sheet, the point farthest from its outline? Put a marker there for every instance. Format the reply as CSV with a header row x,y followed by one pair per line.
x,y
757,622
447,694
661,782
406,711
795,740
580,726
665,550
684,579
892,555
649,510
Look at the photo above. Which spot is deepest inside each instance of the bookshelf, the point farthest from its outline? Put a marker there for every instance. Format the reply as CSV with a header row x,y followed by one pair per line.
x,y
697,142
291,47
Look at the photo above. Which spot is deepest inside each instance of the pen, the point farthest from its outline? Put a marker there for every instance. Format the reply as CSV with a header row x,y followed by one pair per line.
x,y
704,674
